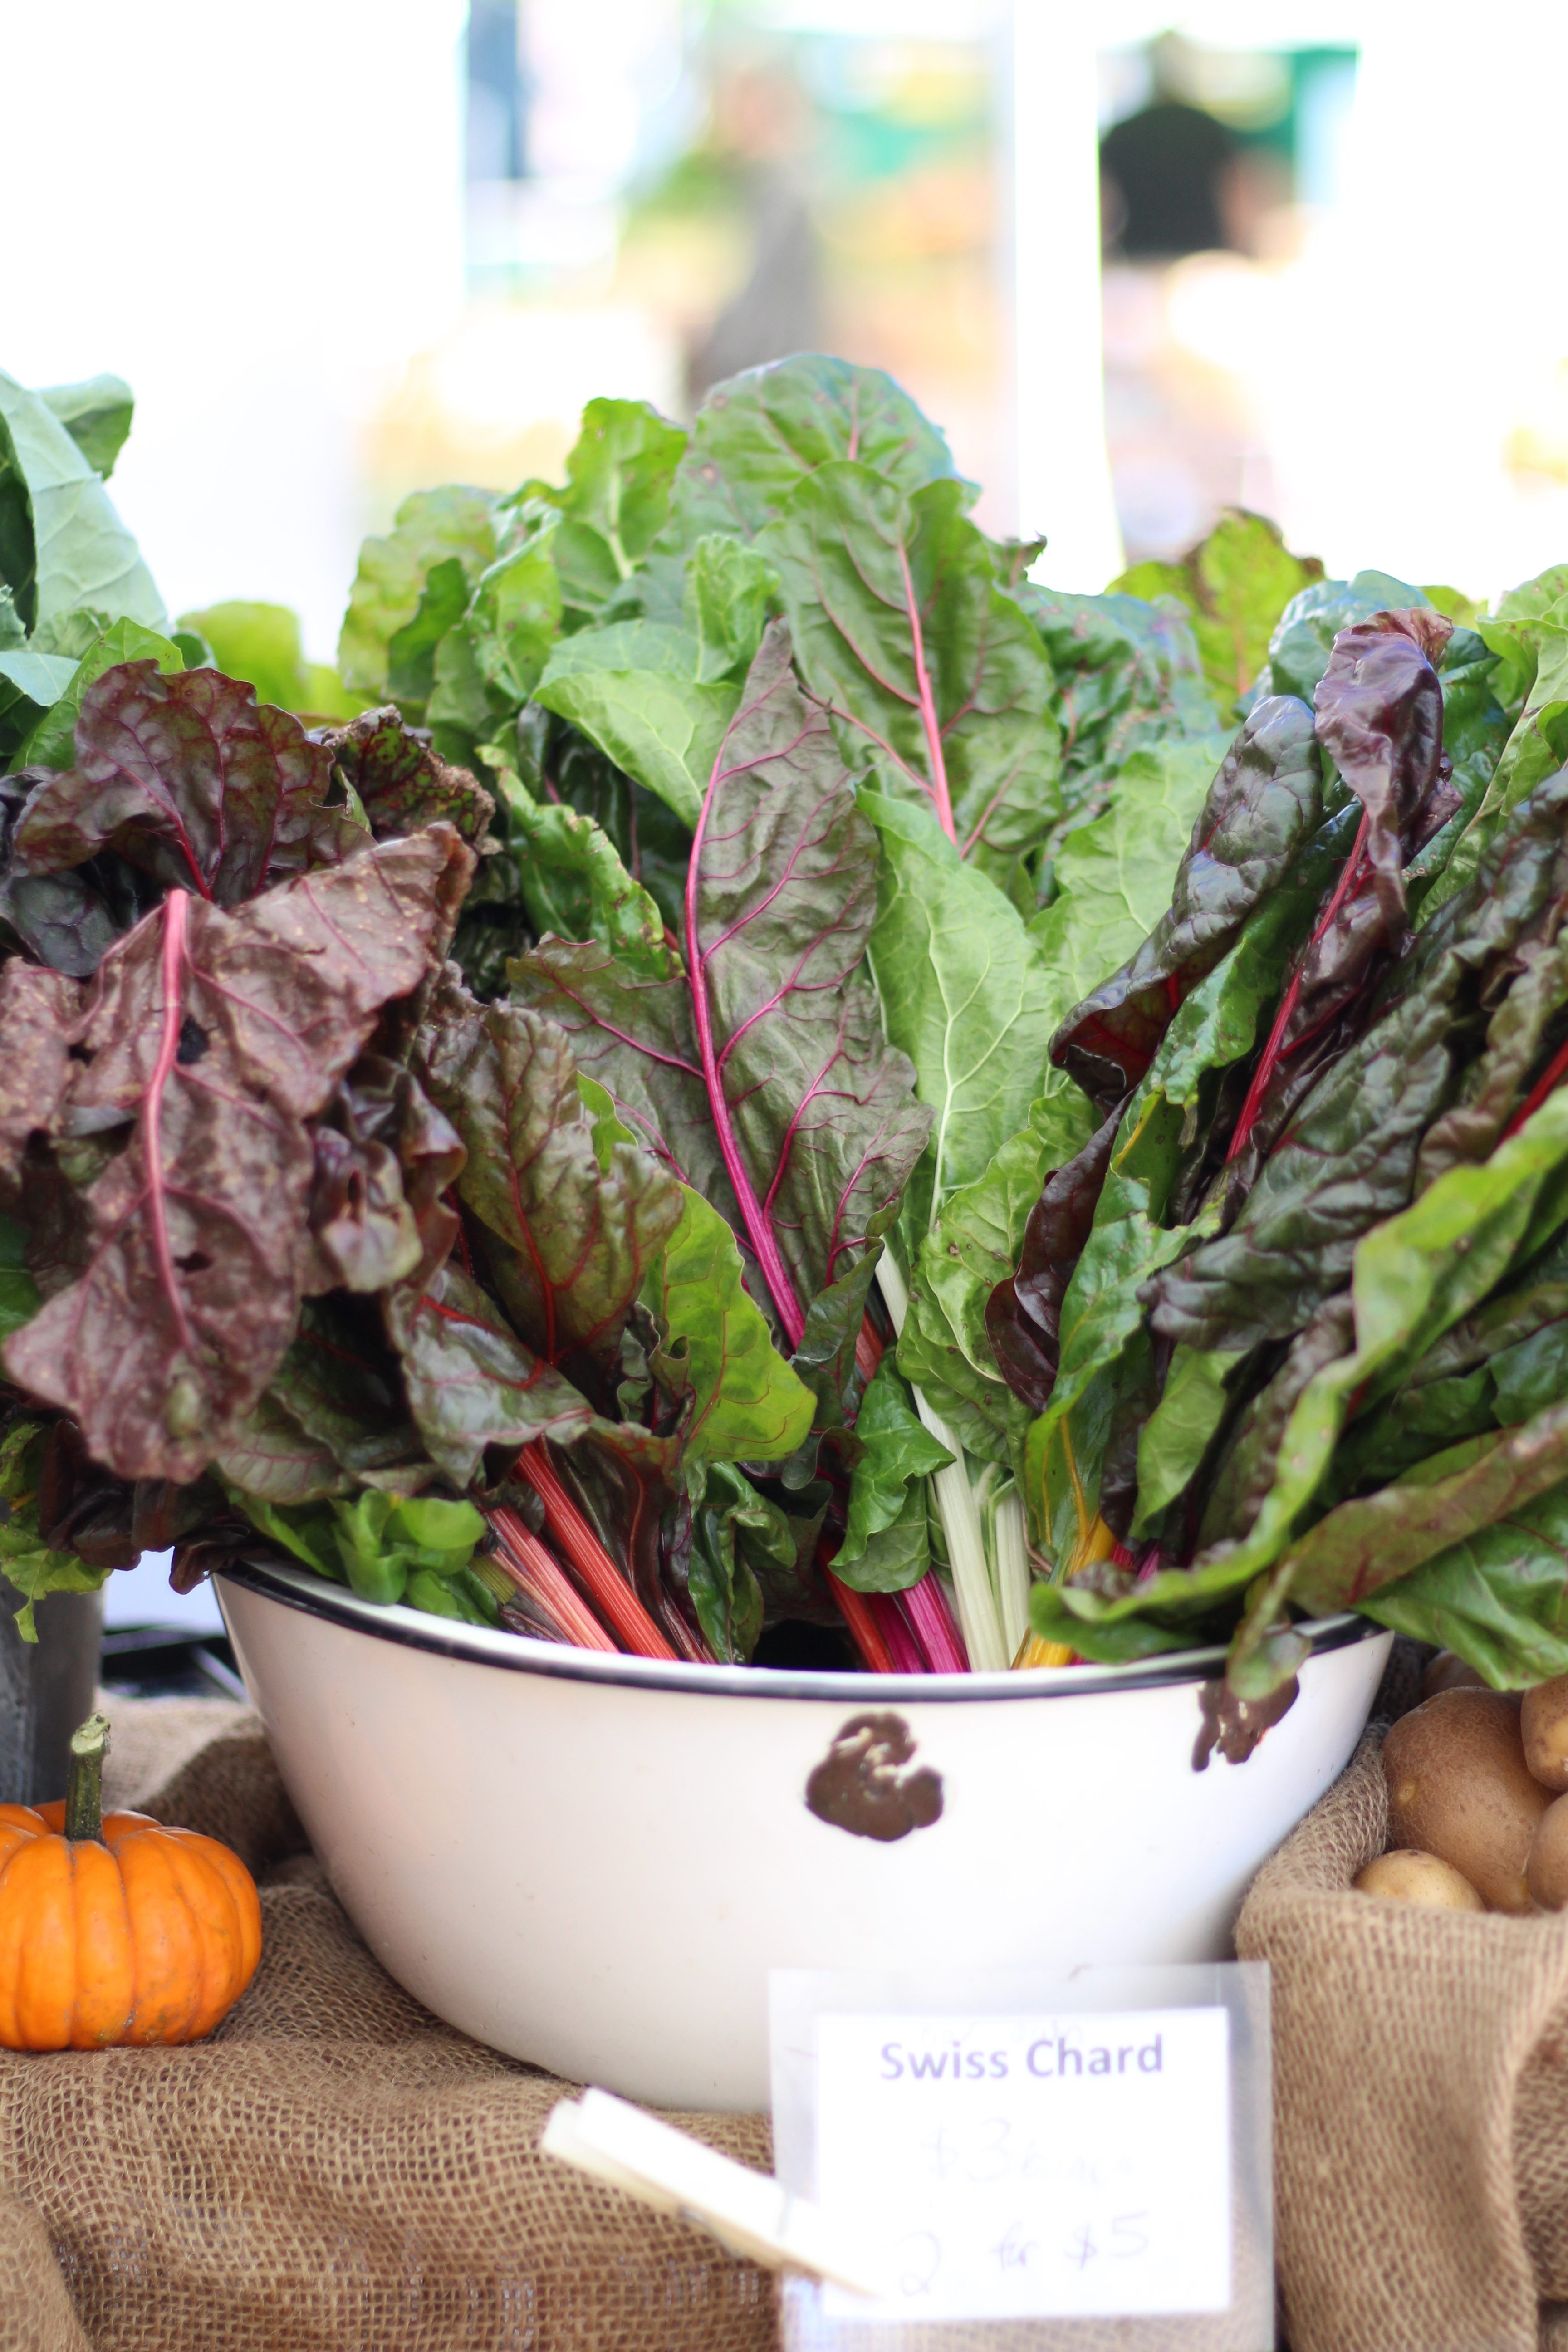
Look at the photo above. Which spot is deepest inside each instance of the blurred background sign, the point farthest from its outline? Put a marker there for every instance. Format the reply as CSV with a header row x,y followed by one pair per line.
x,y
1139,262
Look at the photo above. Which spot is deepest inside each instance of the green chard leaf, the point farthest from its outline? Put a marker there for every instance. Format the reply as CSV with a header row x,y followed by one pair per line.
x,y
735,1533
572,881
1372,1540
940,686
1235,585
434,528
19,1298
1535,749
261,644
62,545
747,1405
1126,675
759,435
1102,1345
886,1544
620,479
635,689
1497,1597
97,415
489,661
964,993
26,1561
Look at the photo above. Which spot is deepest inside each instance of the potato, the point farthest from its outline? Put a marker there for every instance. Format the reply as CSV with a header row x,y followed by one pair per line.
x,y
1546,1872
1448,1673
1543,1720
1409,1877
1459,1787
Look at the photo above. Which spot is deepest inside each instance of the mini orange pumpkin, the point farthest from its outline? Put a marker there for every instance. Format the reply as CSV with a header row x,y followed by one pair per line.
x,y
119,1930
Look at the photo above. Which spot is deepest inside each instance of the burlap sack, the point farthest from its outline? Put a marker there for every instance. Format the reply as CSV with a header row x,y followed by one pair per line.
x,y
334,2169
1421,2101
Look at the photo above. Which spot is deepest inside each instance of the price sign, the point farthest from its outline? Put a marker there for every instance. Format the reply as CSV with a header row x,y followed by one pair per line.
x,y
1011,2149
1031,2166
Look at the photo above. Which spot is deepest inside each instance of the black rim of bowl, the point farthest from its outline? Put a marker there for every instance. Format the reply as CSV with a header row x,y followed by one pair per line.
x,y
296,1587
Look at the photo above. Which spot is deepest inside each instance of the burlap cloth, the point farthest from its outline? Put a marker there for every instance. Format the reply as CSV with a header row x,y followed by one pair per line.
x,y
334,2169
1420,2100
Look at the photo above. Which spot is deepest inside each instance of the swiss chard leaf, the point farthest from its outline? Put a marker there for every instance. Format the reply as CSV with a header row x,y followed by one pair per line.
x,y
1235,585
615,500
758,435
19,1299
734,1529
1380,715
489,661
188,778
812,1108
208,1039
939,682
945,1347
1497,1597
572,881
1126,675
1372,1540
964,994
52,741
26,1559
340,1383
635,689
730,589
432,528
383,1156
559,766
580,1237
97,415
269,1457
1300,648
1261,806
1411,1285
886,1546
41,1011
1349,1159
62,545
747,1405
470,1380
399,780
762,1077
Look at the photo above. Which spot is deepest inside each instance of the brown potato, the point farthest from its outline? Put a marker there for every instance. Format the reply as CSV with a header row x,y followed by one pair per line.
x,y
1458,1787
1543,1720
1448,1673
1409,1877
1546,1872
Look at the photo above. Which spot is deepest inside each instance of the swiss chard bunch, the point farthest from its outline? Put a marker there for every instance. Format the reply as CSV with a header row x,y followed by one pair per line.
x,y
485,1145
1288,1328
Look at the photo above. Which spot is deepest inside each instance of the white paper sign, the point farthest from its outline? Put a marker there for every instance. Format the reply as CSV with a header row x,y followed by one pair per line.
x,y
1038,2167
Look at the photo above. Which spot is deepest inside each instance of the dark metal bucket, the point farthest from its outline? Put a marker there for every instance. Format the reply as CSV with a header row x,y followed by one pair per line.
x,y
46,1688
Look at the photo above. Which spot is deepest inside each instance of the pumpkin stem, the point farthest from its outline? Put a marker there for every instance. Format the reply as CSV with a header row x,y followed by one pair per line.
x,y
84,1787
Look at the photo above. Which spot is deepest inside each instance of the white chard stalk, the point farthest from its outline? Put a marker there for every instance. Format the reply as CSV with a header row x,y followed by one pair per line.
x,y
1010,1546
983,1636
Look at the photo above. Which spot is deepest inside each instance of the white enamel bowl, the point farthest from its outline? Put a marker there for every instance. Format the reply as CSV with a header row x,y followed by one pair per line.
x,y
593,1861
